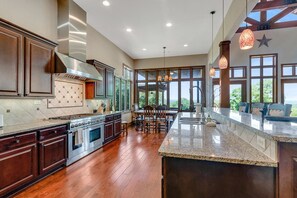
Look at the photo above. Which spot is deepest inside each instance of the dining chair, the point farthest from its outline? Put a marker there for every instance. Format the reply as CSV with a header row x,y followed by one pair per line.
x,y
257,108
279,110
244,107
162,120
149,122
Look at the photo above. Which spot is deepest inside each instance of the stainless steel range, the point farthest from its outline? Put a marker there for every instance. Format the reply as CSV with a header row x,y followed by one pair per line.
x,y
85,135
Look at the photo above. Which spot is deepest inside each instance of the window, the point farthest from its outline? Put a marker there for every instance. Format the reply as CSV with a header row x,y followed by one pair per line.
x,y
289,84
123,90
237,87
263,78
181,93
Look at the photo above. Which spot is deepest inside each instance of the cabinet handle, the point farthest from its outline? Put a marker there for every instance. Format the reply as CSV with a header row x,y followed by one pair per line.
x,y
55,132
17,141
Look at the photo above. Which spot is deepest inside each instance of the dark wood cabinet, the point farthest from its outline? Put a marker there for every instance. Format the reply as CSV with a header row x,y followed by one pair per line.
x,y
26,63
52,153
101,89
112,127
39,67
18,161
11,63
287,170
108,131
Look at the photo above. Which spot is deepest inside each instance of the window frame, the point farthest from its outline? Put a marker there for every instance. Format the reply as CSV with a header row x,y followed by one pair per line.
x,y
261,77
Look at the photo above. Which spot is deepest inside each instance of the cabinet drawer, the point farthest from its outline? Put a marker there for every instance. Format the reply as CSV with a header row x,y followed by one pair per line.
x,y
109,118
17,141
117,116
52,132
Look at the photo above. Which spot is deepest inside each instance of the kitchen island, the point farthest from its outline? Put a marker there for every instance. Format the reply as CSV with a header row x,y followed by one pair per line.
x,y
238,158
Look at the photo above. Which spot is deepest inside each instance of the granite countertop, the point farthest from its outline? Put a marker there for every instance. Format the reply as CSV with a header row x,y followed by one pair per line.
x,y
278,131
193,141
31,126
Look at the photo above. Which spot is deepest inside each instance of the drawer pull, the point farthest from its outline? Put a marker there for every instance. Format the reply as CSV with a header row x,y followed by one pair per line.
x,y
55,132
17,141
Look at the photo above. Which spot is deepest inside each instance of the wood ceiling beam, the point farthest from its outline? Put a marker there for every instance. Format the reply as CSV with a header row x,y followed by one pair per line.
x,y
252,21
281,15
269,5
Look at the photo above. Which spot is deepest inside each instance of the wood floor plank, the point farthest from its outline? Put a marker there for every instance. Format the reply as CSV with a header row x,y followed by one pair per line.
x,y
128,167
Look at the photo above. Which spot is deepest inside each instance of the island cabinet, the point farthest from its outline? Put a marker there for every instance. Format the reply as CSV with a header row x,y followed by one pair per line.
x,y
197,178
28,157
112,127
101,89
26,63
287,170
18,161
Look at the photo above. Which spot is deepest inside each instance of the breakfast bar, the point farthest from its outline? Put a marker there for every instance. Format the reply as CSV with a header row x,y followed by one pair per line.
x,y
226,160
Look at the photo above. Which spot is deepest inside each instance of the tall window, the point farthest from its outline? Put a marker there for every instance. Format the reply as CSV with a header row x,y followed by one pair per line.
x,y
123,90
181,93
289,84
237,87
263,78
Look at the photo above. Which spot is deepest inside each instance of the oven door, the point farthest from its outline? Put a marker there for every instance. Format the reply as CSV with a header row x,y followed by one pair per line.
x,y
77,142
95,136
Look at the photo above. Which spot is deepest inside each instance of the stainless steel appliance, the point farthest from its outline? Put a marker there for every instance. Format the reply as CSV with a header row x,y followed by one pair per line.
x,y
85,135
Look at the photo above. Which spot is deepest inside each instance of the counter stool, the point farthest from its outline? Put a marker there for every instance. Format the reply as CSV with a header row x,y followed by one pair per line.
x,y
124,127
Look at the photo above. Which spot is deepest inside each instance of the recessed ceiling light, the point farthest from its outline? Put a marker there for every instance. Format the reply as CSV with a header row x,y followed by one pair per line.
x,y
106,3
129,30
168,24
143,49
186,45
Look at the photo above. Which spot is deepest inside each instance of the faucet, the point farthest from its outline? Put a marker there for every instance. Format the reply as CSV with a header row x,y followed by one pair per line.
x,y
202,100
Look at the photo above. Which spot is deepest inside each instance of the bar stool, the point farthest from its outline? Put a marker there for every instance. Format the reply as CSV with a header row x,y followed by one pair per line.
x,y
124,127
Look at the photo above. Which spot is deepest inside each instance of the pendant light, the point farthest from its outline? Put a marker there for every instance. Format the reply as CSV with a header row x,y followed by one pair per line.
x,y
212,71
166,77
247,37
223,62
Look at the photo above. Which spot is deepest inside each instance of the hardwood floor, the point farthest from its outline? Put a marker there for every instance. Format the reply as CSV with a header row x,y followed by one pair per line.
x,y
128,167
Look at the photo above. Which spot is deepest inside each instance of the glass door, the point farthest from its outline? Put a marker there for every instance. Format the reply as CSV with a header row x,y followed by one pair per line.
x,y
289,94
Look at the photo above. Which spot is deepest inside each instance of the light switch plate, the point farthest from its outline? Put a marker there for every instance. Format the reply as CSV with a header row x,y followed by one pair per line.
x,y
261,142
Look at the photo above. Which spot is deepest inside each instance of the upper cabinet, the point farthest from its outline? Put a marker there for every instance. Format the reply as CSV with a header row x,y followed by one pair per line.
x,y
101,89
26,63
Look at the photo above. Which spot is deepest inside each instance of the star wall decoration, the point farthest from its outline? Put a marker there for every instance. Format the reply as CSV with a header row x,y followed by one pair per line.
x,y
264,41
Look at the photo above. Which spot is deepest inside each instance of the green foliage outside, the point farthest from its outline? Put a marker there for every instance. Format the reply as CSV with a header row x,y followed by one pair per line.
x,y
267,91
294,110
235,99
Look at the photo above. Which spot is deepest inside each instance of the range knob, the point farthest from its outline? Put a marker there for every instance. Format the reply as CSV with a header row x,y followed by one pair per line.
x,y
72,125
76,125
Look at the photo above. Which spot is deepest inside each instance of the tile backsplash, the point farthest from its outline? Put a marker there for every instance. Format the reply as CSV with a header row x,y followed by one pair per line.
x,y
19,111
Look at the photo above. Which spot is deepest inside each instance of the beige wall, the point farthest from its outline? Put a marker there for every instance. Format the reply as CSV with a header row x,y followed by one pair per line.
x,y
38,16
103,50
175,61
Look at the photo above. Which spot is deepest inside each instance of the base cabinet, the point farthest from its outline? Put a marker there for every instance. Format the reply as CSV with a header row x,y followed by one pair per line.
x,y
18,167
112,127
25,158
52,154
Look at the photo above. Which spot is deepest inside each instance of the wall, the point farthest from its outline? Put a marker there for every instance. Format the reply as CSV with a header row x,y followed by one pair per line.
x,y
175,61
283,42
39,17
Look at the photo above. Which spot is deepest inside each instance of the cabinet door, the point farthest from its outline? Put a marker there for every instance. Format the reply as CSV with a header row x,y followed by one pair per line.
x,y
11,63
117,127
39,67
52,153
109,83
100,85
18,167
108,131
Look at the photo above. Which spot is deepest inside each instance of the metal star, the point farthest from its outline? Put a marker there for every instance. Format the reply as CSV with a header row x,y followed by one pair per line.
x,y
264,41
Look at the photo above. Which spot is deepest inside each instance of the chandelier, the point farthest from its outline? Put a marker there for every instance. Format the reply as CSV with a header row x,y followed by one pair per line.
x,y
166,77
247,37
223,62
212,71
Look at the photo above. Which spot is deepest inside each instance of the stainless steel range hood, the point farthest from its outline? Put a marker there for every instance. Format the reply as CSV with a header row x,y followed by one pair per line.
x,y
72,33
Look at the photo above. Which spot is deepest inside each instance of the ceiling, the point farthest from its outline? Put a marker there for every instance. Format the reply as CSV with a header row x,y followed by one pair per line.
x,y
191,24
